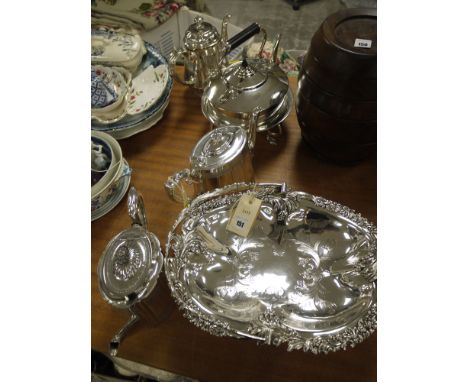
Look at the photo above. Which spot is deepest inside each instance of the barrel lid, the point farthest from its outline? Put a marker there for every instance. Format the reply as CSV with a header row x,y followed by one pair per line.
x,y
345,27
219,148
200,35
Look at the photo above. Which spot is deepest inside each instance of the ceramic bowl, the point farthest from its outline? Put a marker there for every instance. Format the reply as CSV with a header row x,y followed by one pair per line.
x,y
101,159
105,196
117,80
103,94
101,206
115,166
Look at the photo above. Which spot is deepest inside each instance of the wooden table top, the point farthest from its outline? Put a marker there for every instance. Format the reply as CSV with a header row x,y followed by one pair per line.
x,y
175,344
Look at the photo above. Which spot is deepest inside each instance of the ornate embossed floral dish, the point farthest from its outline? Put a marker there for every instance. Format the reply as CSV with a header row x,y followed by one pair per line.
x,y
304,276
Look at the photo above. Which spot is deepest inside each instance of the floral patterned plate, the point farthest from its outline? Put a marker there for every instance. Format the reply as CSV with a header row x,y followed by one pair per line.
x,y
142,126
147,88
155,58
111,45
116,47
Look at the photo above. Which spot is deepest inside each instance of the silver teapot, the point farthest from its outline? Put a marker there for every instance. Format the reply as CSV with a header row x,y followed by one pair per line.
x,y
222,156
253,83
204,52
128,273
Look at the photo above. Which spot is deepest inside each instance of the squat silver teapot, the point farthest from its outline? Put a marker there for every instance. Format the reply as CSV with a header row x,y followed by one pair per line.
x,y
253,83
204,52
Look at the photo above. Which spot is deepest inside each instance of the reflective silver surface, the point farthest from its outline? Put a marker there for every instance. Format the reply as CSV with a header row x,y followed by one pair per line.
x,y
266,120
305,275
218,149
220,157
203,52
128,271
201,35
231,96
129,267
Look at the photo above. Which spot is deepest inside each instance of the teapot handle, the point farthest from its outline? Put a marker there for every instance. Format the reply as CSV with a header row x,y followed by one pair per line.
x,y
119,336
174,188
173,57
136,208
243,36
274,55
264,40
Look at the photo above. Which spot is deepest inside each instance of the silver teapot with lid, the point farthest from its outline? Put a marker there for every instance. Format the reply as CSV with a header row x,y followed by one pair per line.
x,y
259,83
221,157
204,50
128,271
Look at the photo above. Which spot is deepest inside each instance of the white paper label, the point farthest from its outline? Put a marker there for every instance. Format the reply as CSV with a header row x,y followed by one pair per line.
x,y
211,242
244,215
360,43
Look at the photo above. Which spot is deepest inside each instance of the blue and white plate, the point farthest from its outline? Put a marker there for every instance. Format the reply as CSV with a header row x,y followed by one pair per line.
x,y
152,57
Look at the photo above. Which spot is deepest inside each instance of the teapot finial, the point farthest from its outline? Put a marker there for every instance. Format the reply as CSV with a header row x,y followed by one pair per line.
x,y
198,21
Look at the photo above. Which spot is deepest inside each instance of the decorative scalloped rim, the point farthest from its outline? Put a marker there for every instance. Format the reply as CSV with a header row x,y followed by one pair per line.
x,y
269,325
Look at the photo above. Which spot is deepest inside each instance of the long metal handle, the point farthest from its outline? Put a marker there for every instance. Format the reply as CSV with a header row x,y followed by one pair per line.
x,y
274,55
264,40
242,36
119,336
173,57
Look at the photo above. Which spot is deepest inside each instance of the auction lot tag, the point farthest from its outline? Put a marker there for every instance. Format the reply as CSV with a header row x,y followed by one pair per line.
x,y
244,215
361,43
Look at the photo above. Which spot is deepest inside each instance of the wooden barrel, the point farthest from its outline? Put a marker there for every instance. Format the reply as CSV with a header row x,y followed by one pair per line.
x,y
337,89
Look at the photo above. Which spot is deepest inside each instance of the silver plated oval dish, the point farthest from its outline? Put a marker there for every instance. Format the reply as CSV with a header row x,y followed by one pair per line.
x,y
306,274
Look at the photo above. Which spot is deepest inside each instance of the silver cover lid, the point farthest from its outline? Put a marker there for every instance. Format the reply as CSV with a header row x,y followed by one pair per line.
x,y
200,35
218,149
129,267
231,97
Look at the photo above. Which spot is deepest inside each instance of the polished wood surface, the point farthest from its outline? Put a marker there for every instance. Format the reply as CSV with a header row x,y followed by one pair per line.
x,y
175,344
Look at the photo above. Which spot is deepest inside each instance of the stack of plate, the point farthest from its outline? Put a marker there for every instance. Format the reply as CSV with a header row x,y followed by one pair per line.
x,y
110,174
127,100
